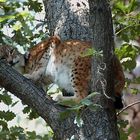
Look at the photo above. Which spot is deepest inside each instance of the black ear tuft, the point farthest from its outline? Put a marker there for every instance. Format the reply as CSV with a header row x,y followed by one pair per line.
x,y
26,56
118,102
12,51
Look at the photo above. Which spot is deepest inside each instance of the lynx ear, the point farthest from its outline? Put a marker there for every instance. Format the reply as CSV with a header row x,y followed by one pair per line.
x,y
26,56
55,40
12,51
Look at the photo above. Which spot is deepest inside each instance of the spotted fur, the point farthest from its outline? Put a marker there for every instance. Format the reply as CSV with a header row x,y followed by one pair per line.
x,y
65,66
62,62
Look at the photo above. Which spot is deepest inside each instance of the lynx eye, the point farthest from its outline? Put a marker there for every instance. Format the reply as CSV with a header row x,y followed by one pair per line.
x,y
26,57
12,51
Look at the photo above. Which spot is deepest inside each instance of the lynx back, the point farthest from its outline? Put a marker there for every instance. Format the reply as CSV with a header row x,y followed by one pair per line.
x,y
62,63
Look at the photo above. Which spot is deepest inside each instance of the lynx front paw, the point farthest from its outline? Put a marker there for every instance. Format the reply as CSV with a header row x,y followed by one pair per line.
x,y
27,76
58,98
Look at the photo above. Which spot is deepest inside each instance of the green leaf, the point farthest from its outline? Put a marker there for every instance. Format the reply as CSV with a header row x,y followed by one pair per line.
x,y
6,17
69,103
132,6
31,135
26,110
16,132
120,7
5,98
92,95
34,5
2,0
65,114
23,14
86,102
137,80
127,54
7,115
33,114
91,52
17,26
78,120
4,125
94,107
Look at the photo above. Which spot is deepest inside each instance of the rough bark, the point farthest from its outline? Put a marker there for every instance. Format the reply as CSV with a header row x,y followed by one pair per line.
x,y
94,121
70,19
102,72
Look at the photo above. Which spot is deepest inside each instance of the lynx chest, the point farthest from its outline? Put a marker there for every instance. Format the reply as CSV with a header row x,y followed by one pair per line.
x,y
60,72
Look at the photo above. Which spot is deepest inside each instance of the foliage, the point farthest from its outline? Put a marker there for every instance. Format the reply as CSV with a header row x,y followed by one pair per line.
x,y
18,17
126,17
19,27
17,132
83,105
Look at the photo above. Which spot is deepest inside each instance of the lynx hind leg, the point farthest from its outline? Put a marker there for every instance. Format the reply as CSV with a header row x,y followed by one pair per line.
x,y
33,76
119,82
119,77
80,77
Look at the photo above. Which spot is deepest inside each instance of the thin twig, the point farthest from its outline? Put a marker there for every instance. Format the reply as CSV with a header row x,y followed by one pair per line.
x,y
126,28
127,107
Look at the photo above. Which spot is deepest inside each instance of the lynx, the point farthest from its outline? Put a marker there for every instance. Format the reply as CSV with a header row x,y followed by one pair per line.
x,y
62,63
8,53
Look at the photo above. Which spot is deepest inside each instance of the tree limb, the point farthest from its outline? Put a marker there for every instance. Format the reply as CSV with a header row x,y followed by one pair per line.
x,y
31,95
128,106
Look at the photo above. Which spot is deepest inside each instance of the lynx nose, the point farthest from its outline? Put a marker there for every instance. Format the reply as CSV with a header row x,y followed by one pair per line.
x,y
12,63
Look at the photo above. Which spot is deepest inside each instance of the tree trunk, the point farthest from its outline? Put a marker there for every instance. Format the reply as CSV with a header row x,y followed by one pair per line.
x,y
96,125
70,20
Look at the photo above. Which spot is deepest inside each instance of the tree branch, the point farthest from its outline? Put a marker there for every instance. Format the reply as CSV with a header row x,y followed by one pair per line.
x,y
128,106
31,95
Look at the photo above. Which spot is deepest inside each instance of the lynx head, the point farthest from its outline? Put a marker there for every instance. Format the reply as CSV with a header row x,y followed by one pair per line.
x,y
9,53
12,56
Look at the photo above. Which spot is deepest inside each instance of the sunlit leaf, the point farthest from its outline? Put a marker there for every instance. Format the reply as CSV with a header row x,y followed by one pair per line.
x,y
91,52
86,102
6,17
78,120
94,107
17,26
2,0
90,96
69,103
